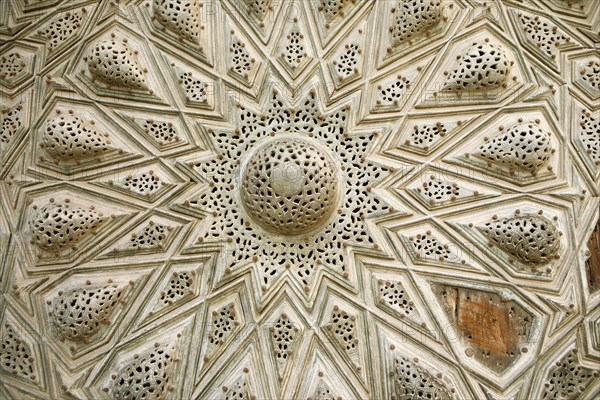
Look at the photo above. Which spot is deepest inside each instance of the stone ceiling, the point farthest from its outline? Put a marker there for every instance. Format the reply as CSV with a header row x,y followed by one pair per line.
x,y
328,199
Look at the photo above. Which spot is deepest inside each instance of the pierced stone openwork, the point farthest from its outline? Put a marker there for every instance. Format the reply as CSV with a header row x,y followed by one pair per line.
x,y
62,27
179,286
333,8
532,239
324,392
589,134
224,322
11,65
290,186
544,34
180,16
414,17
258,8
394,295
11,122
113,63
568,378
591,74
325,140
58,225
414,382
322,199
78,314
484,66
68,137
146,376
239,391
16,356
525,146
283,337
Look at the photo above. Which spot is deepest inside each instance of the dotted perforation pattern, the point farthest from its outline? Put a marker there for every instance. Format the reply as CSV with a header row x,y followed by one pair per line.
x,y
589,134
484,66
11,65
62,27
182,17
414,17
56,226
68,137
272,254
532,239
11,120
394,295
568,379
289,186
180,285
413,382
525,146
16,356
112,63
79,313
145,377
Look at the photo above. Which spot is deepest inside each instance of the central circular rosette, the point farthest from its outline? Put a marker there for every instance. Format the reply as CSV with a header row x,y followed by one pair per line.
x,y
290,186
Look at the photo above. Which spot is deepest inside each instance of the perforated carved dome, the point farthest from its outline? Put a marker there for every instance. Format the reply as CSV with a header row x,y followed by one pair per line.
x,y
114,64
483,66
69,137
303,199
532,239
289,186
525,146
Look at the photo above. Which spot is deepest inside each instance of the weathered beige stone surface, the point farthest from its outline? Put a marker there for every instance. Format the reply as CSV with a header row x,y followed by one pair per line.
x,y
273,199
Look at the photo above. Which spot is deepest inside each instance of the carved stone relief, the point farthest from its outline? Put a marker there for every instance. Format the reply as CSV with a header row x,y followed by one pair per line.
x,y
328,199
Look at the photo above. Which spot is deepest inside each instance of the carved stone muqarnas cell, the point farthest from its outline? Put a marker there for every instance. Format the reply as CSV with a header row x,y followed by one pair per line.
x,y
328,199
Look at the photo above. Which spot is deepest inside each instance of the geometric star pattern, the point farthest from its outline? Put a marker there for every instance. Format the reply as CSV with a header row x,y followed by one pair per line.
x,y
334,199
